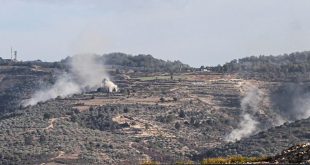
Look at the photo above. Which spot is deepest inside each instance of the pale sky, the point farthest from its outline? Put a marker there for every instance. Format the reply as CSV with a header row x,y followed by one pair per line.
x,y
197,32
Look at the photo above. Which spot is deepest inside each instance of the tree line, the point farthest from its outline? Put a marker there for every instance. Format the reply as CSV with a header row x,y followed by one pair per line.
x,y
294,66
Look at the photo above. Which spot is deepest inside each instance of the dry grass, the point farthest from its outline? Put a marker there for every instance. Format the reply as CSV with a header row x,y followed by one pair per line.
x,y
184,163
177,163
150,163
234,160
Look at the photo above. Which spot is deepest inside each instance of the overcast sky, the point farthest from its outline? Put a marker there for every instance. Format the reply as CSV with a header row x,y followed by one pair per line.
x,y
197,32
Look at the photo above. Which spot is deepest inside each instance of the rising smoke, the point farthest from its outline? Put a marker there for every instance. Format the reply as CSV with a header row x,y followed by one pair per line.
x,y
292,101
249,106
86,73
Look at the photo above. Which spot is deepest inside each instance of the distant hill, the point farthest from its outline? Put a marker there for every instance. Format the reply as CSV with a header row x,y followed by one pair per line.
x,y
143,63
292,67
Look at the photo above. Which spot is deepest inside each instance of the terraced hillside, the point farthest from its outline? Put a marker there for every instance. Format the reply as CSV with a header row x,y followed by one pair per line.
x,y
154,116
161,119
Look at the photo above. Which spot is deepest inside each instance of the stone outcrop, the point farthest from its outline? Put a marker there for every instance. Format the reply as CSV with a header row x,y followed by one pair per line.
x,y
296,154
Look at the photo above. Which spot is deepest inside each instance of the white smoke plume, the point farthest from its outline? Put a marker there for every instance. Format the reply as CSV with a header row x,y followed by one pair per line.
x,y
63,87
246,127
109,85
86,74
249,106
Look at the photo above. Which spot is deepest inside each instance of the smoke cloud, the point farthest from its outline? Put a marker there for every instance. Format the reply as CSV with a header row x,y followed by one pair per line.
x,y
86,73
246,127
291,101
249,106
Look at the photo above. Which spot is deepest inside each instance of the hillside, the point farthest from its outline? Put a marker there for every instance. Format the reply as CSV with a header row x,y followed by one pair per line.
x,y
139,124
152,115
266,143
18,80
150,119
153,118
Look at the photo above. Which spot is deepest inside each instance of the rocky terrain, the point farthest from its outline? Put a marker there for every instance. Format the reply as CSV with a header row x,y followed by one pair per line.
x,y
295,154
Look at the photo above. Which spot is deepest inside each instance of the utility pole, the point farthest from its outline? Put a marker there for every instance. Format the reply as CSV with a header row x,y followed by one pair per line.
x,y
15,55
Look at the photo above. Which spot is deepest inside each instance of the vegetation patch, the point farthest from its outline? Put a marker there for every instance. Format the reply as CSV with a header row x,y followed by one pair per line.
x,y
234,160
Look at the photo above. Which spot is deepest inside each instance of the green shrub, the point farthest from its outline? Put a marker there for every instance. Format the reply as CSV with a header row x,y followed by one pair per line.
x,y
47,116
177,125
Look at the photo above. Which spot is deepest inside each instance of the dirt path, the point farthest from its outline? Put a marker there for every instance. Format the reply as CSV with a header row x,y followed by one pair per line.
x,y
174,89
61,153
52,122
51,125
152,130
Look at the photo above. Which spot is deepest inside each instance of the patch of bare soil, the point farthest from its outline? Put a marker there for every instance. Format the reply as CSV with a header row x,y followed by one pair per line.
x,y
140,127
